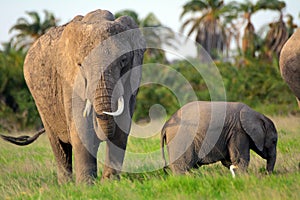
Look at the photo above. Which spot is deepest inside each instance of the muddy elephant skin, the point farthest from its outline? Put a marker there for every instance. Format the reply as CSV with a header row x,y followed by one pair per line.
x,y
289,62
84,77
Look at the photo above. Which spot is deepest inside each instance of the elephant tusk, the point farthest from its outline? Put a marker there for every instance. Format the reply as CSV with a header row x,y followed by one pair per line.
x,y
232,167
119,110
87,109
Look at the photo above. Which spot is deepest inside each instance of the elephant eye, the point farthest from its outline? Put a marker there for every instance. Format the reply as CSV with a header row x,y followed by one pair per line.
x,y
124,65
124,70
123,61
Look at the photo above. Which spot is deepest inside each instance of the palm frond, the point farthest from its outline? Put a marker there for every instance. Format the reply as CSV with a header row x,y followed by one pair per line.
x,y
151,21
34,16
33,28
270,4
196,25
193,6
188,21
22,20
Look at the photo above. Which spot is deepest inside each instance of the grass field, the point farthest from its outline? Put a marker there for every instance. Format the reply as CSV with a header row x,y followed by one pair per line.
x,y
30,173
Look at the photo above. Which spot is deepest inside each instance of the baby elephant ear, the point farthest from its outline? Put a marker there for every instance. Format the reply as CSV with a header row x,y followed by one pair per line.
x,y
253,125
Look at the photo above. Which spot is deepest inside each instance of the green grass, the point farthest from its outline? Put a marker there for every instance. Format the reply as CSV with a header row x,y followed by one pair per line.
x,y
30,173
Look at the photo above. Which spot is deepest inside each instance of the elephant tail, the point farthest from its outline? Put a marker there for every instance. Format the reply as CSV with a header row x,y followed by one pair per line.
x,y
23,140
163,141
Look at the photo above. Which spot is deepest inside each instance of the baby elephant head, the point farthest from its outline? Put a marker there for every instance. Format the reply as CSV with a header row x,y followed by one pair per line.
x,y
263,133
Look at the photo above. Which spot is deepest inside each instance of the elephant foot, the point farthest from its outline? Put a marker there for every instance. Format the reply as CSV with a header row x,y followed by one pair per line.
x,y
90,180
63,179
110,174
115,177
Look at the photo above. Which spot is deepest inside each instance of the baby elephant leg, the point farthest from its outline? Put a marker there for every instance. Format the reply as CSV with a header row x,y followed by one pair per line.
x,y
240,154
226,163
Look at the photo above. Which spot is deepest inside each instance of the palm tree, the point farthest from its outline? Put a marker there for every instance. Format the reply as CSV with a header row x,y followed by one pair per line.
x,y
276,35
290,24
157,35
30,31
278,32
211,25
247,8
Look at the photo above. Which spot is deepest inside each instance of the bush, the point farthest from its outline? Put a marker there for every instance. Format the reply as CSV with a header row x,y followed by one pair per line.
x,y
256,83
17,108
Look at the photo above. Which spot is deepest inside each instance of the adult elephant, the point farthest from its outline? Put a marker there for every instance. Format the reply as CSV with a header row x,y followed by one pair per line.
x,y
84,78
290,63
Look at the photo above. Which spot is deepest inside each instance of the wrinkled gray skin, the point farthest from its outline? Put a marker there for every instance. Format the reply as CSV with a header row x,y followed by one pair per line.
x,y
69,66
243,129
289,62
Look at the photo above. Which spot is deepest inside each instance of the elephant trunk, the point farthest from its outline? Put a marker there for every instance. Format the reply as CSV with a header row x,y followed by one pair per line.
x,y
271,159
106,108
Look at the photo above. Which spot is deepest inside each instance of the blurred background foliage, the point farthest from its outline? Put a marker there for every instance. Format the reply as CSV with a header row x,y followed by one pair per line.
x,y
249,68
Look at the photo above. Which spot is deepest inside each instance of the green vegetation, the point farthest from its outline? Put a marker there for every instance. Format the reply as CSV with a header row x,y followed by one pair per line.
x,y
30,173
256,83
17,108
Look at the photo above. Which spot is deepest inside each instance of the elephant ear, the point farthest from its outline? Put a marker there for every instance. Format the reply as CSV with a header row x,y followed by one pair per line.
x,y
80,93
138,46
136,71
80,86
137,62
253,125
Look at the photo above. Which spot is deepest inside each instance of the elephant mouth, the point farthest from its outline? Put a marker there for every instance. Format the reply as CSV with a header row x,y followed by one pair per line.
x,y
104,115
119,110
105,126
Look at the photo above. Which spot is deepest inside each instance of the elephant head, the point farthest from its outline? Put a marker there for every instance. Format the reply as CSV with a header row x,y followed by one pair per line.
x,y
109,59
289,62
262,132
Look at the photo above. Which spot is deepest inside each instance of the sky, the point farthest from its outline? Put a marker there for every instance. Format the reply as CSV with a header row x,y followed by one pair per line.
x,y
167,11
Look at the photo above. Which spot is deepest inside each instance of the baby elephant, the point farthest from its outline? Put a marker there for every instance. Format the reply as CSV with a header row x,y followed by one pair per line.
x,y
206,132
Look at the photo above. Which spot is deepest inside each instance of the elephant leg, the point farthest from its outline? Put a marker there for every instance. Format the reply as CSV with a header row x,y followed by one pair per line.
x,y
115,152
239,152
226,163
63,155
85,160
244,161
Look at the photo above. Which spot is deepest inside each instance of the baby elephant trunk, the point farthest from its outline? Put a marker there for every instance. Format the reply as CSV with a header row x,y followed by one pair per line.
x,y
271,160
